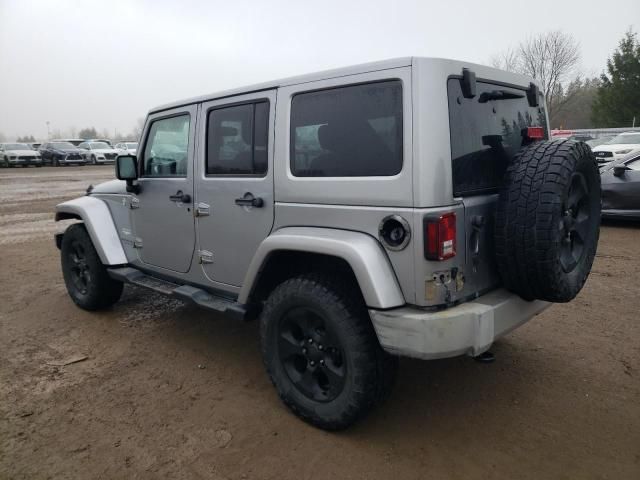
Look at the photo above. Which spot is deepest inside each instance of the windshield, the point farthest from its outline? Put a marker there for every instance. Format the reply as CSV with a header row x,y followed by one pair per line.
x,y
100,145
626,139
65,145
132,145
17,146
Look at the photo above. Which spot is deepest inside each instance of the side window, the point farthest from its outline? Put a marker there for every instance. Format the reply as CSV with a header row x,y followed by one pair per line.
x,y
352,131
634,165
237,139
166,151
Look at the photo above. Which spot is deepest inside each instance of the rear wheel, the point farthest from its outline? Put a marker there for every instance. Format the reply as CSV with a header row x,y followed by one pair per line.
x,y
86,278
321,352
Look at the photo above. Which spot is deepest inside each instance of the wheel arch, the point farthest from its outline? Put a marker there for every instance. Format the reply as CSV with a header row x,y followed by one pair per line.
x,y
294,250
96,217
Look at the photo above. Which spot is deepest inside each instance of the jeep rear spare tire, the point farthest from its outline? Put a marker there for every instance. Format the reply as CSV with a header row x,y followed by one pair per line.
x,y
548,220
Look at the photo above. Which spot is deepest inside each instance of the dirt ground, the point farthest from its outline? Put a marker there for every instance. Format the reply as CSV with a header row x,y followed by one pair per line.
x,y
168,391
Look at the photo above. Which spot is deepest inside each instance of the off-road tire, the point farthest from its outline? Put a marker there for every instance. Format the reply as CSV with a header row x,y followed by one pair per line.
x,y
370,372
542,215
99,291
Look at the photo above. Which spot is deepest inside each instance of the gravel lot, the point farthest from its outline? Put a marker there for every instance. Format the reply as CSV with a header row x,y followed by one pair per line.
x,y
167,391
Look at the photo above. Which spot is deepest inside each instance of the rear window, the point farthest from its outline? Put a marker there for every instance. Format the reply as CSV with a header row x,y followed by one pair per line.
x,y
486,132
351,131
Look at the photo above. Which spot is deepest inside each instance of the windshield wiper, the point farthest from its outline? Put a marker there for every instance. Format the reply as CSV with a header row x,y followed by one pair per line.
x,y
498,95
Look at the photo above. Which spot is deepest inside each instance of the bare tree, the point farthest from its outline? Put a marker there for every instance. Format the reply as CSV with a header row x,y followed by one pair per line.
x,y
551,58
137,130
508,60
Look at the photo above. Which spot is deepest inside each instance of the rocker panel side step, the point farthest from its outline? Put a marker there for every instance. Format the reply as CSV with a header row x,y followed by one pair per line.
x,y
187,293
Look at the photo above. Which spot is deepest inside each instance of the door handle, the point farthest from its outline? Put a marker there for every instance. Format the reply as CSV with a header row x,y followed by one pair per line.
x,y
180,197
248,200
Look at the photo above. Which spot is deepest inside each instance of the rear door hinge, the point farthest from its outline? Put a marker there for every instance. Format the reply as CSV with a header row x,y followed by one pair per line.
x,y
205,256
135,203
137,243
202,210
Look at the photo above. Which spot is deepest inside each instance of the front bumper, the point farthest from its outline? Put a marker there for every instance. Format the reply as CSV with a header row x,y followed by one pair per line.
x,y
72,161
25,161
105,160
469,328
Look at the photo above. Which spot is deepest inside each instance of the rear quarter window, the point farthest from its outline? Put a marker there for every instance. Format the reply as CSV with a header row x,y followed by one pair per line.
x,y
350,131
486,132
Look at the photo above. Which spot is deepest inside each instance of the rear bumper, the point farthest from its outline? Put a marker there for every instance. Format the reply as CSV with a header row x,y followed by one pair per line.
x,y
469,328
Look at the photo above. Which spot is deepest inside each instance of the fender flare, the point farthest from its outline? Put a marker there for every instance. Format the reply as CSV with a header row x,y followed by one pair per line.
x,y
363,253
97,219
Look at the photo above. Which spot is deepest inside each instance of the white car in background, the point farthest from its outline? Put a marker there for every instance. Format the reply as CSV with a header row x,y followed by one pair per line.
x,y
13,154
617,147
98,152
128,148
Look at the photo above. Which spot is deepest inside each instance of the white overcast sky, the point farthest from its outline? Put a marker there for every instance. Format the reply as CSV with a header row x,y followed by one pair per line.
x,y
106,63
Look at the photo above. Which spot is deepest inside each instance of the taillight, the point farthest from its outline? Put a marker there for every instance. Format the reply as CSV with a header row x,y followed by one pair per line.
x,y
440,237
535,133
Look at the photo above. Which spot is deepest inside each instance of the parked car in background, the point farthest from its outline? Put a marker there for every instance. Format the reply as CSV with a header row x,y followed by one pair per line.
x,y
61,153
14,154
580,137
98,152
129,148
596,142
105,140
617,147
35,146
72,141
621,187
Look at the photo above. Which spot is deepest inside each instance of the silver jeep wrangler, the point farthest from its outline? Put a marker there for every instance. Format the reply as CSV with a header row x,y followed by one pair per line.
x,y
412,207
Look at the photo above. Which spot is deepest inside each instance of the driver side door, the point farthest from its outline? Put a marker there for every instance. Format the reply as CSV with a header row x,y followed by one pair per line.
x,y
163,221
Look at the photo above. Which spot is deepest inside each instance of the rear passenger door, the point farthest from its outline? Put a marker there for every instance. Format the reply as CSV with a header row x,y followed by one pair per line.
x,y
234,184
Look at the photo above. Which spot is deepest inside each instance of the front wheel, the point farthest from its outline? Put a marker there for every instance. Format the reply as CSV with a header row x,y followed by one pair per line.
x,y
86,278
321,351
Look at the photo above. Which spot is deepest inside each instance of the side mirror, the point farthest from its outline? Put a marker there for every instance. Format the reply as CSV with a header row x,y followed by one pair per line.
x,y
619,170
127,169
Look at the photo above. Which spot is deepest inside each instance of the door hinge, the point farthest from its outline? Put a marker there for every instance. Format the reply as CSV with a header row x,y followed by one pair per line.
x,y
135,203
202,210
137,243
205,256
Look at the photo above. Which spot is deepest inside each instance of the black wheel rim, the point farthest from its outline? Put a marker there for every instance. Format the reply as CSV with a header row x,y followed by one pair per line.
x,y
576,223
311,354
80,271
